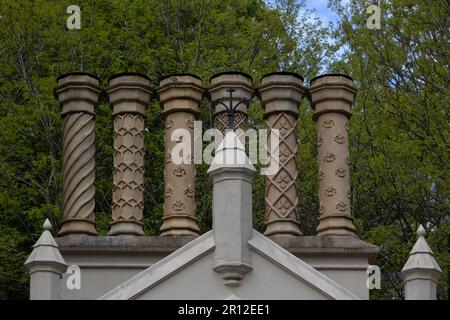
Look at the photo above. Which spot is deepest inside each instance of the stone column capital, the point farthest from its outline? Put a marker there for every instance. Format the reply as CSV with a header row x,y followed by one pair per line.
x,y
331,93
219,85
129,93
281,92
221,82
175,88
77,92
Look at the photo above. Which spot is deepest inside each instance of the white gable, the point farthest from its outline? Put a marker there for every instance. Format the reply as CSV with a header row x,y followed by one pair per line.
x,y
188,273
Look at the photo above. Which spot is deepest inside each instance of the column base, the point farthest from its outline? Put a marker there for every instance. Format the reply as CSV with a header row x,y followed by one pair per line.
x,y
335,224
77,226
123,227
175,225
284,227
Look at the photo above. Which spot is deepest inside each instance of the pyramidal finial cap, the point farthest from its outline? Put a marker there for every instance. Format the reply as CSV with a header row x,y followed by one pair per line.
x,y
421,232
421,257
45,253
47,225
230,154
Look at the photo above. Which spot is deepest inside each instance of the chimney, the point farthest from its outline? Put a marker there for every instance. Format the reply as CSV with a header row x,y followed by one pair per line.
x,y
180,96
78,94
281,94
232,176
129,94
331,97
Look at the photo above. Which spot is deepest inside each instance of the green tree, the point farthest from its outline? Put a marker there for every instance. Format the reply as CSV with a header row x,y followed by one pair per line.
x,y
399,131
148,36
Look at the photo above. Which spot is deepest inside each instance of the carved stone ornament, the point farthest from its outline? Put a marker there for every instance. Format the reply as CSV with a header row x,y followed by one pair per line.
x,y
178,205
340,172
341,206
169,124
319,141
328,123
283,180
330,191
339,138
168,192
329,157
189,192
190,124
179,171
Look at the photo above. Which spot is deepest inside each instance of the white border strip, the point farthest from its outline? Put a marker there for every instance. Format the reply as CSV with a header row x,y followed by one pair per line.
x,y
299,269
161,270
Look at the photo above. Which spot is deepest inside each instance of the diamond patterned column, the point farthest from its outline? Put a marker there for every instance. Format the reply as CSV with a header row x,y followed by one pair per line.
x,y
331,97
129,94
78,95
219,84
281,94
180,96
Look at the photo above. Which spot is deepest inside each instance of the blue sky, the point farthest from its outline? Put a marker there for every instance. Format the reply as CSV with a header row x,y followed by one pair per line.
x,y
325,15
322,11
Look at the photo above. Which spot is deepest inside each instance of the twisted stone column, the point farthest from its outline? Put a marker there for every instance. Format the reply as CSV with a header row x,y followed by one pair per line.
x,y
219,84
129,94
180,96
281,94
78,95
331,97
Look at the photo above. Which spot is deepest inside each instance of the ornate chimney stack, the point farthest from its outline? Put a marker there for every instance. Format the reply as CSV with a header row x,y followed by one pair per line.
x,y
180,96
281,94
129,94
331,97
78,94
220,94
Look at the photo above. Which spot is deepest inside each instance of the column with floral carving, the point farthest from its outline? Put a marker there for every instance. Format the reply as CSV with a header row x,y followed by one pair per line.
x,y
331,97
180,96
281,94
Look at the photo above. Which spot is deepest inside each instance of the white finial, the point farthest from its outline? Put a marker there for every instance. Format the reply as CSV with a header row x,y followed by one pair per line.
x,y
47,225
421,231
421,272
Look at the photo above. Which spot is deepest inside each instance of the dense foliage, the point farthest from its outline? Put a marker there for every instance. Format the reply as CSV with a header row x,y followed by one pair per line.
x,y
399,131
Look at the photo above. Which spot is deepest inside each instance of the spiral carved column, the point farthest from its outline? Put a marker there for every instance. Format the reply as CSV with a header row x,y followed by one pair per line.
x,y
78,95
219,84
281,94
129,94
180,96
331,97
